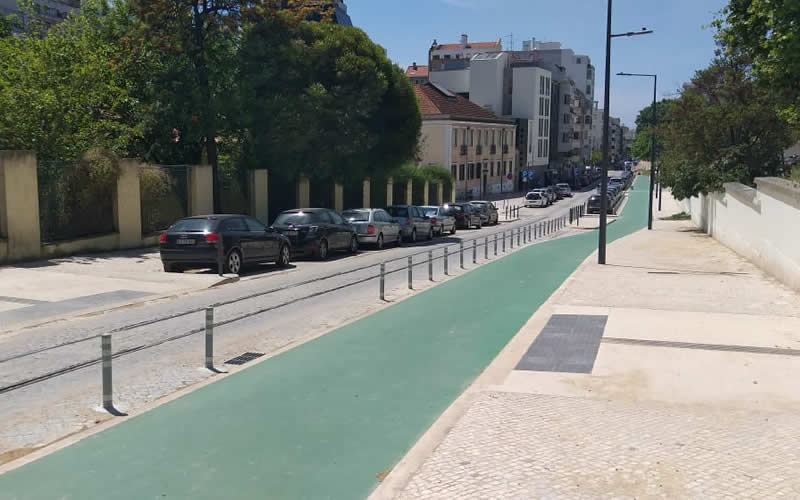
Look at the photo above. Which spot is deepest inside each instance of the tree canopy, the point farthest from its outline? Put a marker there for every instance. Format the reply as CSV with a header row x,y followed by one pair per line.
x,y
642,141
724,127
768,33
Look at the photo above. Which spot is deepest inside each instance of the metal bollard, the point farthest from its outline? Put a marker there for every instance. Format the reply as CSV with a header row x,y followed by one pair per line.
x,y
105,349
518,236
506,212
474,251
495,244
486,248
210,338
383,281
461,253
504,241
410,273
511,233
446,262
430,265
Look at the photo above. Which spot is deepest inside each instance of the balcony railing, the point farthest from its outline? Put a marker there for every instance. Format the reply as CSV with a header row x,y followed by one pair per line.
x,y
493,149
463,150
479,149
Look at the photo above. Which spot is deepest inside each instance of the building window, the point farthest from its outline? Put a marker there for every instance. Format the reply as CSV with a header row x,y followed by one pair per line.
x,y
589,89
541,104
471,137
541,85
454,171
464,136
580,60
539,149
461,172
566,118
547,85
455,137
471,169
566,98
565,137
493,142
479,137
541,127
547,107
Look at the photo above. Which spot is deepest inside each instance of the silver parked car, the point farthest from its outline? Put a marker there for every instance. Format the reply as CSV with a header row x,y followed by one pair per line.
x,y
536,199
374,226
440,220
564,189
412,220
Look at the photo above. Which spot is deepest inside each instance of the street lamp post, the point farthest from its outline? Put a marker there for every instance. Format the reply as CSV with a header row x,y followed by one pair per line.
x,y
601,246
652,151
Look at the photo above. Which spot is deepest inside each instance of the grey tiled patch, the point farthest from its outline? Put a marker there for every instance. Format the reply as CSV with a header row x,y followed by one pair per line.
x,y
568,343
49,309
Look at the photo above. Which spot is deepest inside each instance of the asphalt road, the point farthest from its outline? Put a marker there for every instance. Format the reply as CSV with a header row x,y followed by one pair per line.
x,y
258,322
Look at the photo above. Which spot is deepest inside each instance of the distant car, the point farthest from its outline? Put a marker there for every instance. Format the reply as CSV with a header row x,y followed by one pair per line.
x,y
374,226
412,221
536,199
488,212
194,243
441,221
593,205
316,231
465,214
552,192
564,189
544,194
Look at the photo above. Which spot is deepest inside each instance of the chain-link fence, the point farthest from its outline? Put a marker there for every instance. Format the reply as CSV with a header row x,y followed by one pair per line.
x,y
74,201
164,196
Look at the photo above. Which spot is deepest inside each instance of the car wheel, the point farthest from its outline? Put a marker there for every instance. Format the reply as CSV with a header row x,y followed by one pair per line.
x,y
480,224
322,253
172,268
379,243
430,233
233,264
414,236
353,245
453,229
284,257
441,230
399,241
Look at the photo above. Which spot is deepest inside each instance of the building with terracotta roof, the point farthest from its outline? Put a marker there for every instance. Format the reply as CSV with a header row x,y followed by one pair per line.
x,y
440,54
418,74
477,145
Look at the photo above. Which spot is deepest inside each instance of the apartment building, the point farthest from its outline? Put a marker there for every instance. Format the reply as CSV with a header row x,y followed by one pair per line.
x,y
477,145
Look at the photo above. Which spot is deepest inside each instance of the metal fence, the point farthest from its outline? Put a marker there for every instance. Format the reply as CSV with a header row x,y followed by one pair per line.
x,y
164,196
72,204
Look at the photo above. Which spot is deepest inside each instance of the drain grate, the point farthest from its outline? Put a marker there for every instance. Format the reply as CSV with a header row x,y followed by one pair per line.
x,y
704,347
244,358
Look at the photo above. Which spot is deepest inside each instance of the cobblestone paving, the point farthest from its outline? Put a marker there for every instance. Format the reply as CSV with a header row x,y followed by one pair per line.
x,y
524,446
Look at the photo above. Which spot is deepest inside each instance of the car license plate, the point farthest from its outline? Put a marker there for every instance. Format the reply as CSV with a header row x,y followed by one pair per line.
x,y
184,241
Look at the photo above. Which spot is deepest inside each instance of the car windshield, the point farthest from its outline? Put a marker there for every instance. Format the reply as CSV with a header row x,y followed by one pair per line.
x,y
356,215
431,211
295,219
398,211
533,196
452,209
193,225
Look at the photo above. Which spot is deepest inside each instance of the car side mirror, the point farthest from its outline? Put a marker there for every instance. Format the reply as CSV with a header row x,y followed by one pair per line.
x,y
270,229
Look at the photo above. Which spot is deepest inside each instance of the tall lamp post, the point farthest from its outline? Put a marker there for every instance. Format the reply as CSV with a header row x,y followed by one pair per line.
x,y
601,246
652,150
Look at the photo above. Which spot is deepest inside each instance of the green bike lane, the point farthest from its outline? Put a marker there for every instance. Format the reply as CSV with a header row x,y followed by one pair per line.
x,y
323,419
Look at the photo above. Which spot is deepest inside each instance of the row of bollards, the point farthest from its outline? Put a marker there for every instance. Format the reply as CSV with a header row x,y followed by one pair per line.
x,y
524,235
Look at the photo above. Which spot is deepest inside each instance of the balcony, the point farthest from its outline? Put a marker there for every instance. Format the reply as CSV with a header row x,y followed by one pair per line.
x,y
493,149
479,149
505,149
463,150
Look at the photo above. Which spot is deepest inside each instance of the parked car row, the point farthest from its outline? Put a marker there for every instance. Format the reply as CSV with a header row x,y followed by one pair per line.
x,y
546,196
616,190
239,240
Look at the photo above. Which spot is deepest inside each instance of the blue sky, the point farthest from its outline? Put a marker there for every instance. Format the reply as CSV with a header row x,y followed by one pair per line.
x,y
680,45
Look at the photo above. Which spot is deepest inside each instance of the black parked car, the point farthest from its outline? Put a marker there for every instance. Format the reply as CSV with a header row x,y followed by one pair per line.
x,y
194,243
593,206
317,231
466,215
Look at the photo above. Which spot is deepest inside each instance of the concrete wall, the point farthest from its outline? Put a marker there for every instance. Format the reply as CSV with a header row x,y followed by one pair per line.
x,y
454,80
487,81
20,209
758,224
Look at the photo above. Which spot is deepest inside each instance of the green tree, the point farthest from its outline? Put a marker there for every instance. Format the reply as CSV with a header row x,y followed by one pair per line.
x,y
724,127
597,157
323,100
61,93
642,141
768,32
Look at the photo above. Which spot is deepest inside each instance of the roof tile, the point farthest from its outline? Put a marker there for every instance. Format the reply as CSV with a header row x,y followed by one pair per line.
x,y
433,101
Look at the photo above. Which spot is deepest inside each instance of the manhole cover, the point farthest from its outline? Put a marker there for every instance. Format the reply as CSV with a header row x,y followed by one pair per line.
x,y
244,358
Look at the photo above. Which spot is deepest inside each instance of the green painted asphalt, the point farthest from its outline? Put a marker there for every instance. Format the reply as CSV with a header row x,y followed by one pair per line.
x,y
320,421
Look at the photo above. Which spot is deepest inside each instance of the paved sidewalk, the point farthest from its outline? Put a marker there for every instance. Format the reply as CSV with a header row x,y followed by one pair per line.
x,y
327,419
669,373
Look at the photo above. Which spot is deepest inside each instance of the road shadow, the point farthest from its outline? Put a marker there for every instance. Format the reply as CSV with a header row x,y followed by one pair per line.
x,y
140,256
657,270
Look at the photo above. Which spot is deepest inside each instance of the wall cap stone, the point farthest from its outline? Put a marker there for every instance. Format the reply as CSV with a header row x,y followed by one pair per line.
x,y
782,189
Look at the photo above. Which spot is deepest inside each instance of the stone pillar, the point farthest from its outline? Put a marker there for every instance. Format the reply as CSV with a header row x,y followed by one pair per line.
x,y
440,193
259,195
338,197
201,190
303,192
128,205
425,192
390,192
19,204
410,192
366,188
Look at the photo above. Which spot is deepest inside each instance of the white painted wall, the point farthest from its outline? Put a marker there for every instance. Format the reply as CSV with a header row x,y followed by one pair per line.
x,y
456,80
760,225
486,81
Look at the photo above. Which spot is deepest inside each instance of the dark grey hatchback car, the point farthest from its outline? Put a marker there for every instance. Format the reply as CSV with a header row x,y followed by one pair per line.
x,y
317,231
195,242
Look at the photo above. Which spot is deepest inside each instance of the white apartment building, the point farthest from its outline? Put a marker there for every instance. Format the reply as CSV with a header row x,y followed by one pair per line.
x,y
578,67
531,100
